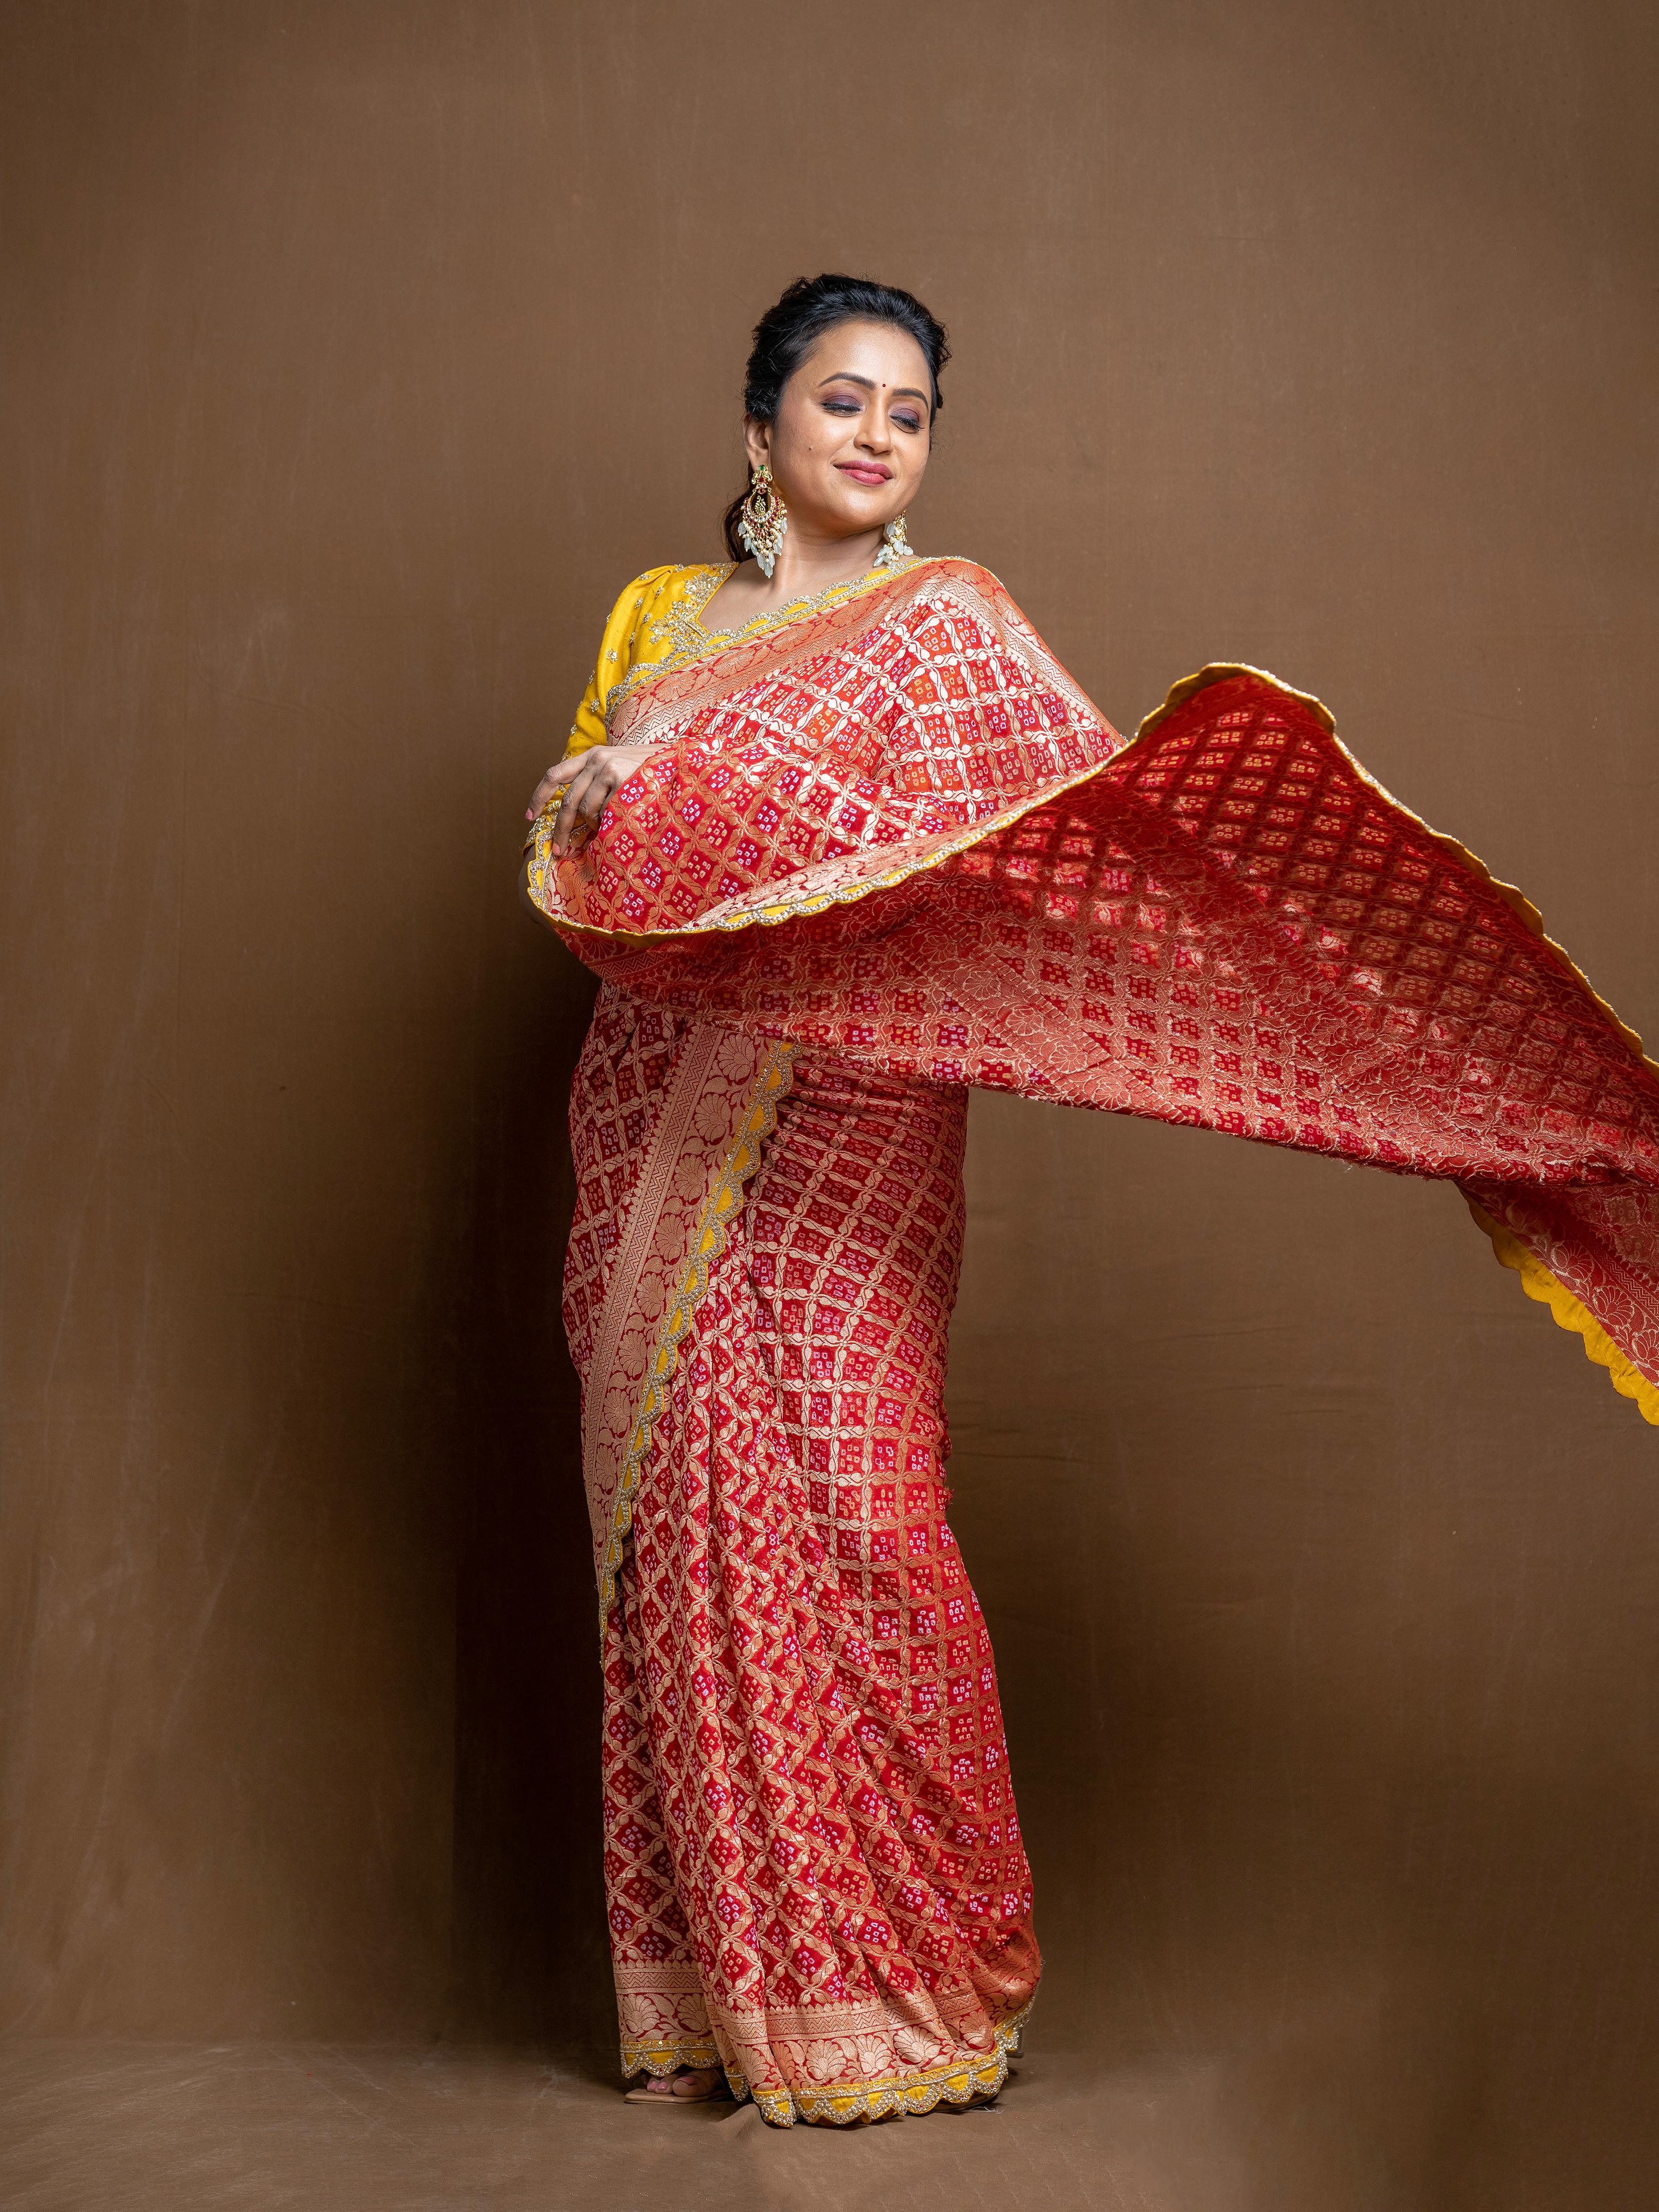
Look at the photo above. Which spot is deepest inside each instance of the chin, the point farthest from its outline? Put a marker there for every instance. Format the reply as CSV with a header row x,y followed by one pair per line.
x,y
863,514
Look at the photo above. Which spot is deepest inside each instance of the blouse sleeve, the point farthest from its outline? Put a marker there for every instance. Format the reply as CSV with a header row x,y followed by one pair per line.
x,y
616,657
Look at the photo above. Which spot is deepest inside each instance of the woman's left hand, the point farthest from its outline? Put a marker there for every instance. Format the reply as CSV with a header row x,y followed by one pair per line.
x,y
590,780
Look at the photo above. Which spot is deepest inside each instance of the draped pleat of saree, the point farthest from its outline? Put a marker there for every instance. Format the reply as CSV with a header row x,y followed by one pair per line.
x,y
881,851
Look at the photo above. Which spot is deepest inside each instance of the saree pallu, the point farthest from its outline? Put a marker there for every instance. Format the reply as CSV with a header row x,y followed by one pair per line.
x,y
880,852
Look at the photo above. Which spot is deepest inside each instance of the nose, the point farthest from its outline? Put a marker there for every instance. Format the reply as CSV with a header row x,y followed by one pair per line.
x,y
874,433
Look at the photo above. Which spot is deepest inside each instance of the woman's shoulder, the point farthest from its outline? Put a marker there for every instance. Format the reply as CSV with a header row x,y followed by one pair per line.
x,y
653,578
640,609
664,582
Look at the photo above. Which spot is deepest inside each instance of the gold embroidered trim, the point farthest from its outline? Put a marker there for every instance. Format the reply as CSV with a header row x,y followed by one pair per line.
x,y
811,602
1569,1312
671,637
661,2058
707,1243
680,625
959,2082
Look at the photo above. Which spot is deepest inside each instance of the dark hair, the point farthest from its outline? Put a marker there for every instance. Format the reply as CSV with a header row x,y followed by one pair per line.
x,y
785,334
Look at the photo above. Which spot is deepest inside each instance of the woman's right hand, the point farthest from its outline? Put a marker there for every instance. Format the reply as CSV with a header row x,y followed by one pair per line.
x,y
590,780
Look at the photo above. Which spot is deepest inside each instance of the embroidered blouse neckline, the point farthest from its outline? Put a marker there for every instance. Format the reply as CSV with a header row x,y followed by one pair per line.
x,y
703,588
678,627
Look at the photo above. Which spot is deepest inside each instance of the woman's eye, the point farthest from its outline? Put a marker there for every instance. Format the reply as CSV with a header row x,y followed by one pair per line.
x,y
843,407
908,422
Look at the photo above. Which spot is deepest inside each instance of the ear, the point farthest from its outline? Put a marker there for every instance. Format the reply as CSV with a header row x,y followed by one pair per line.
x,y
757,442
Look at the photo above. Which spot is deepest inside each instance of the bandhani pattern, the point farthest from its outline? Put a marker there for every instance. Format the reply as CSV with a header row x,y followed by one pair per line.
x,y
1225,923
812,1854
883,854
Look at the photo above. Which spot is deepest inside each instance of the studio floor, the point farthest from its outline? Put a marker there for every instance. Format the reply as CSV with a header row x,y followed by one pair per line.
x,y
261,2127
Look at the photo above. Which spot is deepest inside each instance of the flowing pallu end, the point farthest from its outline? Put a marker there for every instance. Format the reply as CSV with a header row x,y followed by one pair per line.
x,y
1226,923
721,1105
1578,1255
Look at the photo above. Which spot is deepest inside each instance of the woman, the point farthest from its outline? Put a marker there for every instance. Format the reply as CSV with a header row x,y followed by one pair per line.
x,y
843,838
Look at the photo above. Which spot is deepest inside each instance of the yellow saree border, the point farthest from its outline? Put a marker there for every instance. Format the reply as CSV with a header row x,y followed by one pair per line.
x,y
707,1242
1569,1313
956,2082
669,2056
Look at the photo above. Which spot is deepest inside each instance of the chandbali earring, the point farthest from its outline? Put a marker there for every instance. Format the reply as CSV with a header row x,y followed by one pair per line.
x,y
895,546
764,520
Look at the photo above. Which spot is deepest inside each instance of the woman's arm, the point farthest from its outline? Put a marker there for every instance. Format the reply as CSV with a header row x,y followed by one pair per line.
x,y
592,769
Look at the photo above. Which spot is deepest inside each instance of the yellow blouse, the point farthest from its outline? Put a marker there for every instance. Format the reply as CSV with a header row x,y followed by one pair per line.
x,y
640,633
657,620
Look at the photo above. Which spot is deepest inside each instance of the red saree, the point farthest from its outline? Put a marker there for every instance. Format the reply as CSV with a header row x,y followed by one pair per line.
x,y
880,854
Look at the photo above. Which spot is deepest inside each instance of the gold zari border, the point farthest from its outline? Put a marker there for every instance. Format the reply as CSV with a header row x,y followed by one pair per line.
x,y
1569,1312
959,2082
708,1242
661,2058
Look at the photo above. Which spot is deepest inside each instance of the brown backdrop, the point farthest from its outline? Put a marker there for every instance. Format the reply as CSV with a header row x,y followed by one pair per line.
x,y
358,351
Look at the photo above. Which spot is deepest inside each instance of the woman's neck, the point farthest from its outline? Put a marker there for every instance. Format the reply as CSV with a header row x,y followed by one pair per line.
x,y
806,564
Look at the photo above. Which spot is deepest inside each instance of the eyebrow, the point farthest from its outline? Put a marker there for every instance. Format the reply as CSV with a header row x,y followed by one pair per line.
x,y
847,376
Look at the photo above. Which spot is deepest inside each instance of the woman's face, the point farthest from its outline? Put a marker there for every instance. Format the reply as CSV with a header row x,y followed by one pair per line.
x,y
850,439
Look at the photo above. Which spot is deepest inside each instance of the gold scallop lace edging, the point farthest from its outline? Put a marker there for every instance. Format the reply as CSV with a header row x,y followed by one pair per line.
x,y
957,2082
760,1119
1569,1312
